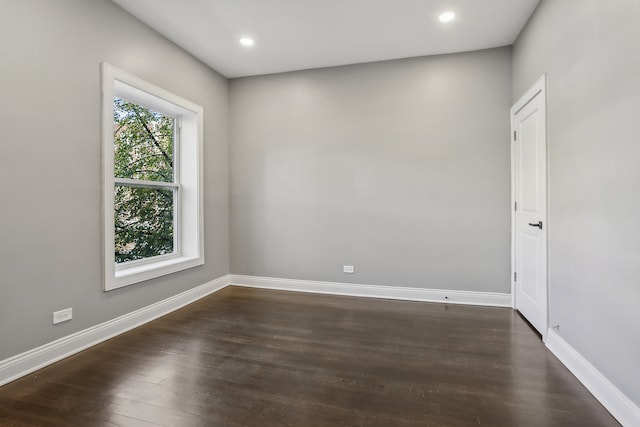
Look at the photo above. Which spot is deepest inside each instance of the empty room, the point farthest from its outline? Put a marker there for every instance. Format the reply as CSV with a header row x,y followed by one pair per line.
x,y
319,213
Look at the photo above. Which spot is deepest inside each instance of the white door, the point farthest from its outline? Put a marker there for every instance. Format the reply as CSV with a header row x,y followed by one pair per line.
x,y
529,168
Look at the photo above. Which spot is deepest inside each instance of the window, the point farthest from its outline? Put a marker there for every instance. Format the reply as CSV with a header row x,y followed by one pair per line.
x,y
152,144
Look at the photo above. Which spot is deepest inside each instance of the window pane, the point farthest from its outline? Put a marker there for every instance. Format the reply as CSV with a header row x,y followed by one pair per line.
x,y
143,142
143,223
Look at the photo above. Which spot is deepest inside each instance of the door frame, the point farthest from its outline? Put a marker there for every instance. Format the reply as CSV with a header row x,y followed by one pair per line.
x,y
538,88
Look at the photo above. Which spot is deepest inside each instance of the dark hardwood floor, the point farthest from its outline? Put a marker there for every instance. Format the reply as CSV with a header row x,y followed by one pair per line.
x,y
249,357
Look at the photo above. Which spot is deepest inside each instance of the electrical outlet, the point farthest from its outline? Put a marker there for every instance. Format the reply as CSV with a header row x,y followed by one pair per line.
x,y
62,315
349,269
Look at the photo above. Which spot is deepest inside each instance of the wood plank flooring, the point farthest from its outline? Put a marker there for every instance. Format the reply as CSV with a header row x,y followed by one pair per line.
x,y
250,357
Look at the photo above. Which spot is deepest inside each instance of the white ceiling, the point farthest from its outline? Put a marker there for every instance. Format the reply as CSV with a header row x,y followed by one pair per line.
x,y
300,34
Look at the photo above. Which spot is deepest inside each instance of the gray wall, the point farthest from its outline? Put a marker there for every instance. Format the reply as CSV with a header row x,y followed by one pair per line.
x,y
591,52
400,168
50,221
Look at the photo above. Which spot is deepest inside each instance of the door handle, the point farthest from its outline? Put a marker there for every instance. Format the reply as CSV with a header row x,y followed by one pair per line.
x,y
539,225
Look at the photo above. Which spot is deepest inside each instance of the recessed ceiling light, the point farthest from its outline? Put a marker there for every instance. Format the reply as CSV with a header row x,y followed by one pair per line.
x,y
447,17
246,41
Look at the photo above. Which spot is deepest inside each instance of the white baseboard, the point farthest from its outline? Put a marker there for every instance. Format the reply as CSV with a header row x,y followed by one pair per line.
x,y
375,291
616,402
37,358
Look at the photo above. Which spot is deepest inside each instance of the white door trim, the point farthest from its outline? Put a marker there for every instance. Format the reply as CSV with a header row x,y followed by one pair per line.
x,y
538,88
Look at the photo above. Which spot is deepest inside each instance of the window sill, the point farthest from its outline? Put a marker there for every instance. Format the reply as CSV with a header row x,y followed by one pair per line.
x,y
129,275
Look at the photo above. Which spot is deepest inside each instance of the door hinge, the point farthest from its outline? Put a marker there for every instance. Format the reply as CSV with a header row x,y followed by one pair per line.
x,y
515,276
515,137
515,206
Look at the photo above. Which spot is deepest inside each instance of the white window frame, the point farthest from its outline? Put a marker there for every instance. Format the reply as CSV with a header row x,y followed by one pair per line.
x,y
187,185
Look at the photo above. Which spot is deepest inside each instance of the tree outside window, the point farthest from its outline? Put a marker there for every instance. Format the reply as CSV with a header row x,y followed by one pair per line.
x,y
143,160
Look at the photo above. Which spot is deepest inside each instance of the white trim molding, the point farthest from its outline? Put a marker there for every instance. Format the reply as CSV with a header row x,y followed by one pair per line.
x,y
375,291
37,358
615,401
187,184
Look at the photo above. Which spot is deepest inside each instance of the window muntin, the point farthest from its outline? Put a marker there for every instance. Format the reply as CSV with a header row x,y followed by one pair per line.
x,y
152,155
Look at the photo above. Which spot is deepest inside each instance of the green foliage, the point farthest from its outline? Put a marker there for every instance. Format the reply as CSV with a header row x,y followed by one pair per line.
x,y
143,143
143,151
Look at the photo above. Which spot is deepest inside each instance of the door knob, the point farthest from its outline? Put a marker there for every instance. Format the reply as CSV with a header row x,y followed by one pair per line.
x,y
539,225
